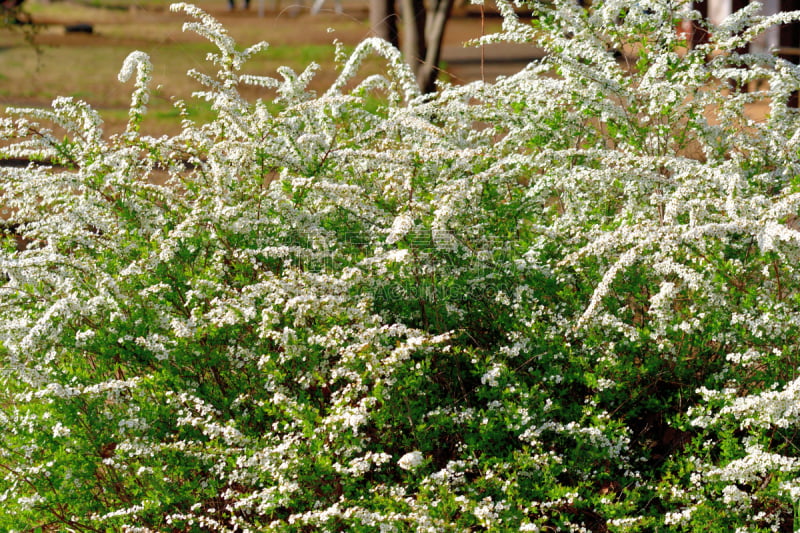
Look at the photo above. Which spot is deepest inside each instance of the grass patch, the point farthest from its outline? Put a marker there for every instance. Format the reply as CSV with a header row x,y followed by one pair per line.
x,y
86,66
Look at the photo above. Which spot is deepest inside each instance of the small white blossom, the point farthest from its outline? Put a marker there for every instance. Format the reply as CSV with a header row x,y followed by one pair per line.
x,y
60,430
411,460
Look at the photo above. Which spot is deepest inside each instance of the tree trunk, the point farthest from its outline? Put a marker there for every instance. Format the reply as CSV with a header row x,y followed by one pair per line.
x,y
428,71
423,33
414,44
790,42
383,20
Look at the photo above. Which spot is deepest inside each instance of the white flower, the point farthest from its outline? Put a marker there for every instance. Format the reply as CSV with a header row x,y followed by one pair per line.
x,y
400,227
491,375
59,430
411,460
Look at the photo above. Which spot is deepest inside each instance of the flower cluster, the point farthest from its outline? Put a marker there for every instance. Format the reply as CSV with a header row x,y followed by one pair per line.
x,y
565,300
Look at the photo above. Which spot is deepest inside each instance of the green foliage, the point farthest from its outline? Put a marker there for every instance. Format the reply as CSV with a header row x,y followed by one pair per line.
x,y
562,301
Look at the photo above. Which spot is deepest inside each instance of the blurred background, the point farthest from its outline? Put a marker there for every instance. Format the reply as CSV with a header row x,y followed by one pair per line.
x,y
51,48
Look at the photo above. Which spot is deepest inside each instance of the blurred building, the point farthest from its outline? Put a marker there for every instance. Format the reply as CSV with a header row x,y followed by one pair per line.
x,y
785,39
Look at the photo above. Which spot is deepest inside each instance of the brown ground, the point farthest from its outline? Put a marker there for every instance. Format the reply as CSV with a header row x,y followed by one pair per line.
x,y
85,65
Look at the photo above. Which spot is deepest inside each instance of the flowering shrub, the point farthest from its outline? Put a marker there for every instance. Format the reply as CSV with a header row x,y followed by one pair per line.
x,y
563,301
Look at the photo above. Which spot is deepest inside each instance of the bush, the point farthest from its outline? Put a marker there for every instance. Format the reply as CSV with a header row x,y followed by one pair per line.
x,y
563,301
